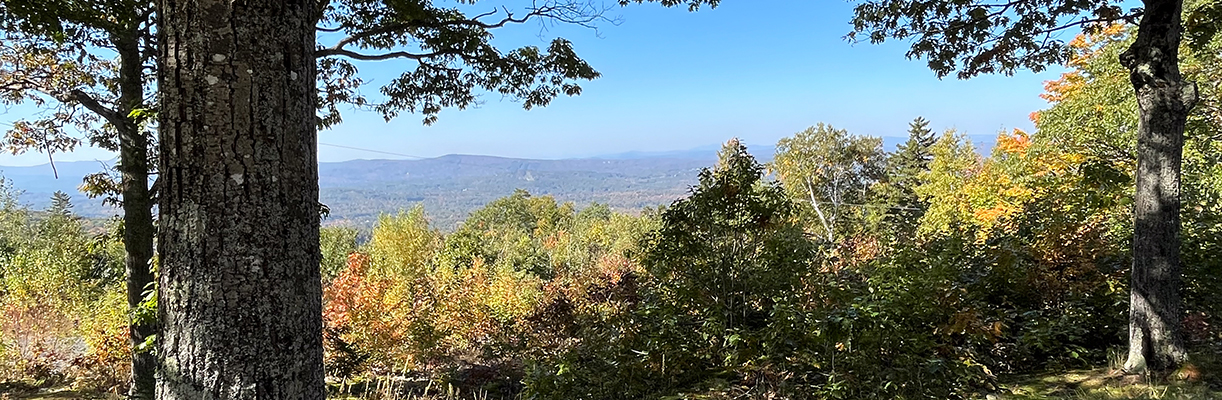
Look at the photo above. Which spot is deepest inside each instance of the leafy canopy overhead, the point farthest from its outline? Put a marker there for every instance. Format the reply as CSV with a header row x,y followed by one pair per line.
x,y
88,65
448,57
449,53
452,52
62,19
973,37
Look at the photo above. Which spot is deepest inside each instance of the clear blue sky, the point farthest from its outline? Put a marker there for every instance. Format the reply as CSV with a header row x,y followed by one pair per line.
x,y
672,80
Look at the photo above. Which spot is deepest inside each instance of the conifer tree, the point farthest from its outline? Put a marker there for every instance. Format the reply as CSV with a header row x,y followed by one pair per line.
x,y
904,168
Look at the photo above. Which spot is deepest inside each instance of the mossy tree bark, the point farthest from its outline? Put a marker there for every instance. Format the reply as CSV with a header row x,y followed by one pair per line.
x,y
240,293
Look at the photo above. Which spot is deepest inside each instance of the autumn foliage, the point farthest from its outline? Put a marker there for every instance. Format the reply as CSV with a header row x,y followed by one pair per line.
x,y
512,283
63,314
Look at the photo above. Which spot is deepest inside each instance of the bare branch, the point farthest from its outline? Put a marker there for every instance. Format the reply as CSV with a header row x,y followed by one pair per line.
x,y
51,161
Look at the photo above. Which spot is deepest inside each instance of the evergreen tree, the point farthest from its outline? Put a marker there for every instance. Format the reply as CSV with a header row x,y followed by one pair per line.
x,y
726,266
904,168
61,204
915,152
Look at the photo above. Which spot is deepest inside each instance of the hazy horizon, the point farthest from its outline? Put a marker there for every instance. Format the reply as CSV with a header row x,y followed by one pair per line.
x,y
889,143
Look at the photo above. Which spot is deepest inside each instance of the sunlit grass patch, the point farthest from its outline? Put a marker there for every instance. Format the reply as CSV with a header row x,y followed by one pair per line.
x,y
1103,384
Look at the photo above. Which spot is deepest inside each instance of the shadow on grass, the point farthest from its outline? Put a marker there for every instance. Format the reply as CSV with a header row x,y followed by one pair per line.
x,y
23,391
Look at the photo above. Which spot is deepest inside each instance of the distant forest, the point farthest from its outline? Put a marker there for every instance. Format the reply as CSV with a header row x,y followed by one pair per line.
x,y
451,187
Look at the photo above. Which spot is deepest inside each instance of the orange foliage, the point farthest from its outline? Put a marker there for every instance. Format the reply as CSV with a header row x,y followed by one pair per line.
x,y
1085,47
1058,90
371,315
989,216
346,295
1016,143
38,341
1067,256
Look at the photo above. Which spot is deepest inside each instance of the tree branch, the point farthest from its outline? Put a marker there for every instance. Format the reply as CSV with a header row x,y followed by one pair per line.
x,y
563,13
374,57
1129,18
91,104
376,31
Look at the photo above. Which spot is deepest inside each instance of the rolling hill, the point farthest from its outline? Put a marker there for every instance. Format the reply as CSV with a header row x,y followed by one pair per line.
x,y
450,187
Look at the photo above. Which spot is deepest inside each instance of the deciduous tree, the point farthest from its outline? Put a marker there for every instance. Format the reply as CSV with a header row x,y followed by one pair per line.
x,y
831,169
89,65
978,37
240,289
240,292
1091,114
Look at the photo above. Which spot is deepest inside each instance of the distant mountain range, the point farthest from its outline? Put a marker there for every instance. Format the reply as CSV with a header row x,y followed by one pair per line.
x,y
699,153
450,187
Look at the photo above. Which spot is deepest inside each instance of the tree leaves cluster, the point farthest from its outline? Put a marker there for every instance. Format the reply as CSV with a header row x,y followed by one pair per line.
x,y
971,38
516,283
974,37
740,301
449,55
834,172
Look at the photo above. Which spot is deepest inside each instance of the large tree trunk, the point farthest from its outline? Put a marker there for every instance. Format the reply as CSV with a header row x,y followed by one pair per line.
x,y
1164,99
240,294
137,207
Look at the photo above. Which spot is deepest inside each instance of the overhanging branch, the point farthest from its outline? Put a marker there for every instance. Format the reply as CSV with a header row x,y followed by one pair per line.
x,y
373,57
91,104
567,13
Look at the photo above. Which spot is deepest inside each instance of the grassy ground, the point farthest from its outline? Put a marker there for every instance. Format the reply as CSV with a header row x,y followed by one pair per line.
x,y
1092,384
1105,384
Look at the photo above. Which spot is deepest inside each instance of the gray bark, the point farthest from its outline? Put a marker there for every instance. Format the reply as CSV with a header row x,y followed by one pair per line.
x,y
137,207
240,292
1164,99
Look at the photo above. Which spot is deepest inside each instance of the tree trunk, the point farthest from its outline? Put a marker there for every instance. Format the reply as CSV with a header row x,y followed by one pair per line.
x,y
811,190
137,209
1164,99
240,294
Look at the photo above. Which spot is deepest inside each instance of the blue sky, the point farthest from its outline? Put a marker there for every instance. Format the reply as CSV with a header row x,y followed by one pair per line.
x,y
759,70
